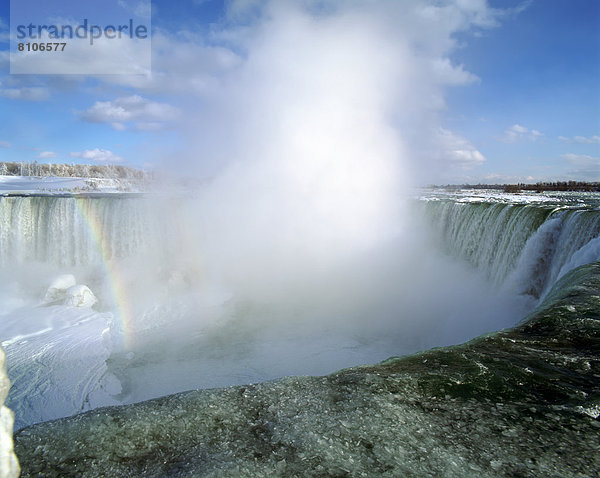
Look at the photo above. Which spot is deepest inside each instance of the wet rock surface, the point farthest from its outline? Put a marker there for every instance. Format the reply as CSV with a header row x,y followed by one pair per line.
x,y
522,402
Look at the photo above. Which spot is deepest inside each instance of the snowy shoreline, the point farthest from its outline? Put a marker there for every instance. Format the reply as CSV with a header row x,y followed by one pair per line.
x,y
53,185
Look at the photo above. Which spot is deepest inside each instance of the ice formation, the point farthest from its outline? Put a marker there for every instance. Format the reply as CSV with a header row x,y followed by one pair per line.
x,y
80,296
59,286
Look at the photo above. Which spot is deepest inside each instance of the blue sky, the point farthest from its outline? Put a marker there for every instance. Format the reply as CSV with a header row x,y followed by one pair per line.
x,y
514,94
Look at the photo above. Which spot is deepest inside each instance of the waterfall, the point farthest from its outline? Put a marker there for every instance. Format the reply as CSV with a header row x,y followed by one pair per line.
x,y
526,247
70,231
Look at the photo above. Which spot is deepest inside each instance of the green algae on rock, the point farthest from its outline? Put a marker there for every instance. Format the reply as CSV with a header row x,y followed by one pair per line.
x,y
520,402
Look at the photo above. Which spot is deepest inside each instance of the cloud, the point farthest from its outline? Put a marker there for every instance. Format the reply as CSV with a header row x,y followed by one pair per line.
x,y
498,178
227,82
5,144
103,155
131,111
46,155
141,9
518,133
584,167
458,150
36,93
325,111
34,87
275,63
4,31
452,75
188,63
183,63
122,56
581,139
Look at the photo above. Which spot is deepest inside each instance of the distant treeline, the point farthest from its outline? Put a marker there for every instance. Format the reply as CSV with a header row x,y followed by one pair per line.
x,y
71,171
537,187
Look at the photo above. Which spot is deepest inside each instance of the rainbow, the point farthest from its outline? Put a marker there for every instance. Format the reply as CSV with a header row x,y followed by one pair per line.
x,y
116,281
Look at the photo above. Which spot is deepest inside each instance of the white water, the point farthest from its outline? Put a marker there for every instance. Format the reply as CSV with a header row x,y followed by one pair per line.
x,y
525,247
65,230
195,327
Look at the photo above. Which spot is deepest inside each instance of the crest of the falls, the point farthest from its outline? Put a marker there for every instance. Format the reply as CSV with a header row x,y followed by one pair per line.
x,y
523,247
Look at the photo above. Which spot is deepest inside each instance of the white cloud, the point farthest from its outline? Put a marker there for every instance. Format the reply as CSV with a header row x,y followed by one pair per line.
x,y
517,129
518,133
497,178
452,75
271,63
534,134
46,155
5,144
106,56
4,31
581,139
140,9
583,166
35,93
182,63
277,59
458,150
185,62
133,110
103,155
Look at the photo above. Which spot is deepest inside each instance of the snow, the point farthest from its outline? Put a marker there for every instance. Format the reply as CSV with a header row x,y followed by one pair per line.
x,y
563,199
59,287
80,296
57,359
32,185
9,467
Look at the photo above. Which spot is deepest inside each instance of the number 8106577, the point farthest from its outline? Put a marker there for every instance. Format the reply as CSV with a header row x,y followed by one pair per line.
x,y
50,46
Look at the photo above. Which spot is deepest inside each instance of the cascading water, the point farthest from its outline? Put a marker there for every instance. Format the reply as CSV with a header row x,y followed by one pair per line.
x,y
498,238
69,231
579,228
490,236
57,351
191,333
526,247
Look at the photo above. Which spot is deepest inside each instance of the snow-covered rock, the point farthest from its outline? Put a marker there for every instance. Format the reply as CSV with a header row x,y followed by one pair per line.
x,y
59,286
80,296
